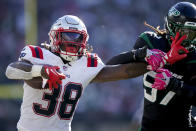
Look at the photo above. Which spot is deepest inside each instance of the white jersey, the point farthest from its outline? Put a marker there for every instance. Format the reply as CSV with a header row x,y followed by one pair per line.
x,y
53,110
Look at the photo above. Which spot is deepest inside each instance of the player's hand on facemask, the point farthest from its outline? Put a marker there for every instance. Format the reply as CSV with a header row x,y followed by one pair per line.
x,y
174,53
162,79
54,76
155,57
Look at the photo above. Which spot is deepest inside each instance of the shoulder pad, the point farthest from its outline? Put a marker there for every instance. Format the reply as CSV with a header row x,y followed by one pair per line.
x,y
150,34
92,60
30,51
149,37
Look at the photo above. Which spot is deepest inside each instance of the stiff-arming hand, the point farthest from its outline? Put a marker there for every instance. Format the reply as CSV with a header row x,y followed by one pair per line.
x,y
54,77
154,58
162,79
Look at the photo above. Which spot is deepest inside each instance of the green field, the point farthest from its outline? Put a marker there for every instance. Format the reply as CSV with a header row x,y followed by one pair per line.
x,y
11,91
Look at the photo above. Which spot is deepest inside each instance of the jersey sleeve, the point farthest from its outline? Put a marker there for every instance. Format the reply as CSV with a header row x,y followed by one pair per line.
x,y
33,54
94,65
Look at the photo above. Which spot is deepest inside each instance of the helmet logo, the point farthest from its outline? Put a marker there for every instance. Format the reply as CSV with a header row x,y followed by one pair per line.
x,y
190,24
173,12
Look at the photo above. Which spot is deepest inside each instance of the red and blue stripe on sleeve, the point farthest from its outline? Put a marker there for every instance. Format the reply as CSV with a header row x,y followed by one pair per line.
x,y
36,52
91,60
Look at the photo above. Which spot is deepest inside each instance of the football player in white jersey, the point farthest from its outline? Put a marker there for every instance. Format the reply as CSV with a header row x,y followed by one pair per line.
x,y
55,79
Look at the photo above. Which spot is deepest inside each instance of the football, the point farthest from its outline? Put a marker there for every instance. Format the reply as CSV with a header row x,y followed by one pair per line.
x,y
36,83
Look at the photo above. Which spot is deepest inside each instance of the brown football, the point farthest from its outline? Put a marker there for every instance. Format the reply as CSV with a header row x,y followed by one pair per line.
x,y
35,83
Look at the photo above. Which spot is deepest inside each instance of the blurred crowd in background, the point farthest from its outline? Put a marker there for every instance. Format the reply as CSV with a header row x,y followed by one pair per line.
x,y
113,26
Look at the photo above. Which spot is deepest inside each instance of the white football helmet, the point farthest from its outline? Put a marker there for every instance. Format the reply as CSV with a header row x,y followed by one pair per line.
x,y
68,37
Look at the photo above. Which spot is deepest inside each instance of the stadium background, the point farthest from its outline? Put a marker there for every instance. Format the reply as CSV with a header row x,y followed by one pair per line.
x,y
113,26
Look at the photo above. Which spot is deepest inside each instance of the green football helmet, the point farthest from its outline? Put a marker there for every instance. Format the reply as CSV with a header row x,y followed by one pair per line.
x,y
182,18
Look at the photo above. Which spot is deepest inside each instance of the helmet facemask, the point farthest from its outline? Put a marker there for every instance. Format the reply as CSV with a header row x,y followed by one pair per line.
x,y
182,18
189,29
70,44
68,37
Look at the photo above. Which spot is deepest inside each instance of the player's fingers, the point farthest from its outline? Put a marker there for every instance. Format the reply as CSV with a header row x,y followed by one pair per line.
x,y
181,39
56,67
182,56
50,85
172,38
159,85
159,71
183,50
59,81
177,36
55,85
175,39
156,86
61,75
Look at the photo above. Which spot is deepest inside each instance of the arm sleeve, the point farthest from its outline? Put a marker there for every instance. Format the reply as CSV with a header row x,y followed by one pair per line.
x,y
122,58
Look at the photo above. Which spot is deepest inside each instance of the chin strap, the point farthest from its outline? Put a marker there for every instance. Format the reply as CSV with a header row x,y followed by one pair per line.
x,y
66,57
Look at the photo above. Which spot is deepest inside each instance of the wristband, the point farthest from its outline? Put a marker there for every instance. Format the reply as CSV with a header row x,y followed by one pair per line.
x,y
36,70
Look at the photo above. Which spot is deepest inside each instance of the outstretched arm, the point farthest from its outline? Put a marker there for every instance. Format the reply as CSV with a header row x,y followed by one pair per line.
x,y
122,58
155,58
33,74
119,72
129,56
